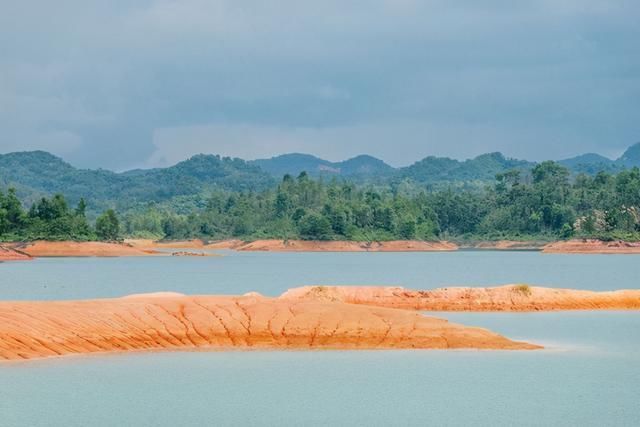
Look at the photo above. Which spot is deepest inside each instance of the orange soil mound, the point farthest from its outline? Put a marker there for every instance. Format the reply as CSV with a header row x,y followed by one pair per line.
x,y
169,321
592,246
82,249
345,246
504,298
7,254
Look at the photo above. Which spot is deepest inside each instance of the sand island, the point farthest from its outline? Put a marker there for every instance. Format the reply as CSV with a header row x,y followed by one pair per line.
x,y
169,321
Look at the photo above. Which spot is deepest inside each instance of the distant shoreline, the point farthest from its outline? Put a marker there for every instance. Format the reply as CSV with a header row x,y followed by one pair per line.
x,y
575,246
14,251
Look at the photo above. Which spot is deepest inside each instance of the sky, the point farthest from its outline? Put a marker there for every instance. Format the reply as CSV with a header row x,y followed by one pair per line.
x,y
125,84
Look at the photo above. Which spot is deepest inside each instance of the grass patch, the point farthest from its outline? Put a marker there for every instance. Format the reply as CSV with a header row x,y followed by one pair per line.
x,y
523,289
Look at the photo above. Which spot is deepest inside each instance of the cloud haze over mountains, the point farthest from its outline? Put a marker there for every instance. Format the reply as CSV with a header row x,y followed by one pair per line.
x,y
128,84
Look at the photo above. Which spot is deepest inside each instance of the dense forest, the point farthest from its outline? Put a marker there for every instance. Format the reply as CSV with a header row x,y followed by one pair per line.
x,y
53,219
546,202
38,174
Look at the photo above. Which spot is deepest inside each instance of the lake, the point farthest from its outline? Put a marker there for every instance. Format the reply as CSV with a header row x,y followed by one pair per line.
x,y
588,375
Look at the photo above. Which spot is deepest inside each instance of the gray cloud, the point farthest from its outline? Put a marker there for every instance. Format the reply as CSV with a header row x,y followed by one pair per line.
x,y
114,85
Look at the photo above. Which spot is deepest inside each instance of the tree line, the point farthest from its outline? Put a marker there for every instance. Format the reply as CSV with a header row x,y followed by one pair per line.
x,y
543,203
53,219
546,203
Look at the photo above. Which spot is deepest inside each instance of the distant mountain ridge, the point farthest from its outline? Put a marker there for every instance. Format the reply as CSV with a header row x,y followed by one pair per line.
x,y
295,163
38,173
631,157
592,163
442,169
433,169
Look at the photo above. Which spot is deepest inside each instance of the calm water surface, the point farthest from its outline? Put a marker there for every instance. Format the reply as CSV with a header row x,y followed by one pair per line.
x,y
588,375
273,273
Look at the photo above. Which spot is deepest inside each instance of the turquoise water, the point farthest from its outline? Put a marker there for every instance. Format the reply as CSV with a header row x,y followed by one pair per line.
x,y
273,273
588,375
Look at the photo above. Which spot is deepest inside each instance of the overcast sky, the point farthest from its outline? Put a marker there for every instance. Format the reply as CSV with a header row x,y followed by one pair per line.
x,y
122,84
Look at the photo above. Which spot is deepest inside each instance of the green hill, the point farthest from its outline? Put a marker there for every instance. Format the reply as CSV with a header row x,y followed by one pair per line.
x,y
434,170
38,173
631,157
361,168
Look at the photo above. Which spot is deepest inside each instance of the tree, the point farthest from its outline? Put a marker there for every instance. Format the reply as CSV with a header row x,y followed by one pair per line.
x,y
108,226
315,227
407,228
81,209
14,213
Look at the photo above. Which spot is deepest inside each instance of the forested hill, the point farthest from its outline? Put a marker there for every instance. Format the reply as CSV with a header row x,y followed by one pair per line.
x,y
38,173
434,170
361,167
547,205
437,170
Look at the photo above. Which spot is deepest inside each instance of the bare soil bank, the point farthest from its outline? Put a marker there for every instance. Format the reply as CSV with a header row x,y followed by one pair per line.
x,y
82,249
592,246
271,245
169,321
141,247
503,298
8,254
303,245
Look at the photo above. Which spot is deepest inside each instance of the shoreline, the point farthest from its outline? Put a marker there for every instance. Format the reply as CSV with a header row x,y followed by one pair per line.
x,y
13,251
10,254
592,246
573,246
278,245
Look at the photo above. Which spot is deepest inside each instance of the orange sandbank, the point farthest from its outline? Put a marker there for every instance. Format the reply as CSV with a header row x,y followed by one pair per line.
x,y
503,298
8,254
82,249
169,321
592,246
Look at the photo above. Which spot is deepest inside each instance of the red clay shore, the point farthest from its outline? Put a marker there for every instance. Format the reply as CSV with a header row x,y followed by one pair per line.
x,y
8,254
81,249
141,247
345,246
592,246
168,321
274,245
504,298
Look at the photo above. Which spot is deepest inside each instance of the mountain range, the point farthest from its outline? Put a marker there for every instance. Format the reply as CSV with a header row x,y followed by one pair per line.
x,y
38,173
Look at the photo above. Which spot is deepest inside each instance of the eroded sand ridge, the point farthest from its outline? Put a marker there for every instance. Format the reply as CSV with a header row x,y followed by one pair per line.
x,y
517,297
172,321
